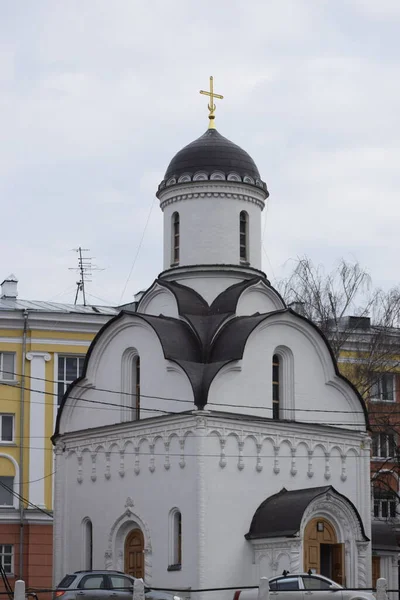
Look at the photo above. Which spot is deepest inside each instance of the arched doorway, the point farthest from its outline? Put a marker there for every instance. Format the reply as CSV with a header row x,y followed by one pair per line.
x,y
134,554
322,553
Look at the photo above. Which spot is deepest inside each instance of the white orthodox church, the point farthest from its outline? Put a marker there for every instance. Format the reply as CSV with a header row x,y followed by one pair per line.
x,y
211,439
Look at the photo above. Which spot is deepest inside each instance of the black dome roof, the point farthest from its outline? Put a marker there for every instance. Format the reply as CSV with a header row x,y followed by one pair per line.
x,y
209,153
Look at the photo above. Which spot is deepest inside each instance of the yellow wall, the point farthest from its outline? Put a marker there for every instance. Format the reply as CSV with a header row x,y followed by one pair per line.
x,y
10,397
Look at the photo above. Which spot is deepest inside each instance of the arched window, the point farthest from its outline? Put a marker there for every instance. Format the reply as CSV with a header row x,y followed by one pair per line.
x,y
87,545
175,238
244,236
175,540
283,396
130,385
136,391
276,392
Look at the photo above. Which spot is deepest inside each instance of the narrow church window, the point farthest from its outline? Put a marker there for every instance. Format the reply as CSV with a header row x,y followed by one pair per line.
x,y
136,391
243,236
175,544
275,386
87,545
130,385
175,238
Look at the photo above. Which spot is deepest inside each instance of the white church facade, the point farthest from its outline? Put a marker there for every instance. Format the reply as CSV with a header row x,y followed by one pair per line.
x,y
211,439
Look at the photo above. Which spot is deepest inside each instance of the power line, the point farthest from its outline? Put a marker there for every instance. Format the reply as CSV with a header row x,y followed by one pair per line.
x,y
22,499
138,249
190,454
119,406
106,404
173,399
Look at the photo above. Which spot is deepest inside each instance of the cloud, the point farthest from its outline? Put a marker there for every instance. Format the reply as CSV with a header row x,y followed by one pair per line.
x,y
96,98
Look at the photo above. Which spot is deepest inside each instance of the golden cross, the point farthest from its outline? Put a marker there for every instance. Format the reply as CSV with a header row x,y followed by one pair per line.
x,y
211,105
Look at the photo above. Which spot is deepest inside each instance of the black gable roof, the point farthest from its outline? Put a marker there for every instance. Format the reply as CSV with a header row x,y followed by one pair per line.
x,y
204,339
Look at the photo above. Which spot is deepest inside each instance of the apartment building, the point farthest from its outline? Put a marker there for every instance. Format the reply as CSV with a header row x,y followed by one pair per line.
x,y
42,350
370,357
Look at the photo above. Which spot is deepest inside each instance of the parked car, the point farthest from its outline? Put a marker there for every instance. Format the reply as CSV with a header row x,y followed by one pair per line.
x,y
103,585
305,586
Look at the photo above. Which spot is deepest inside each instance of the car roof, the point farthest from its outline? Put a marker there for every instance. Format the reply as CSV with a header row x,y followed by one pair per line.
x,y
106,571
284,576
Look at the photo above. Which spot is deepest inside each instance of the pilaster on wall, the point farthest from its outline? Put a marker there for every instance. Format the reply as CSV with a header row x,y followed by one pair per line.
x,y
58,533
201,493
37,426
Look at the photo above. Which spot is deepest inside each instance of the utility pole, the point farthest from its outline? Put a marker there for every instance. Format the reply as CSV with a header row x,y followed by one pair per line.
x,y
84,269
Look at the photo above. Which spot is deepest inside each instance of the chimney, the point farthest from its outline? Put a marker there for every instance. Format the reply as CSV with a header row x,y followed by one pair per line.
x,y
9,287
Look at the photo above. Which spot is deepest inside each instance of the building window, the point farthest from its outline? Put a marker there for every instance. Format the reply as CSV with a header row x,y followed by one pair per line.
x,y
69,369
276,392
175,541
7,366
87,544
136,390
130,385
385,503
383,389
243,236
7,558
6,428
6,491
175,238
384,445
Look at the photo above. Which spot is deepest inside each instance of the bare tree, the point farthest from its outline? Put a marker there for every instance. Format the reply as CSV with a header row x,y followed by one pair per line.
x,y
361,322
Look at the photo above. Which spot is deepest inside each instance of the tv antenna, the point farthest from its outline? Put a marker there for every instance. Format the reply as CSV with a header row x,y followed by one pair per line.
x,y
85,269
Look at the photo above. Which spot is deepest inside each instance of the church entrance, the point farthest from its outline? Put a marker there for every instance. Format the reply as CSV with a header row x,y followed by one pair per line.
x,y
322,553
134,554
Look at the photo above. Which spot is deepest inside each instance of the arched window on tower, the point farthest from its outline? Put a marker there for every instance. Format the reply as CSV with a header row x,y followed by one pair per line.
x,y
244,236
276,391
175,238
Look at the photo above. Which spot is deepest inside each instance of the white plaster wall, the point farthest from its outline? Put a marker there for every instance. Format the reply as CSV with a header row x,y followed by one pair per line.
x,y
316,386
234,493
217,491
209,230
159,302
154,494
209,285
259,298
163,383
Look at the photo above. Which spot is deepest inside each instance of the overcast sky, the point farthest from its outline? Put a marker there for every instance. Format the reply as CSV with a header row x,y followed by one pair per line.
x,y
97,96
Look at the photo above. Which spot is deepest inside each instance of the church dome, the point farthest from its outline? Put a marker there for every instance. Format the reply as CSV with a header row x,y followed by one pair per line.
x,y
212,156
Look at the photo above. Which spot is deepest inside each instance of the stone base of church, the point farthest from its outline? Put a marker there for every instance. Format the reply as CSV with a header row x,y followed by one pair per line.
x,y
37,552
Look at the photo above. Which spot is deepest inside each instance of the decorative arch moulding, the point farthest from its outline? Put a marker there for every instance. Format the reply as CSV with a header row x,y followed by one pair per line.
x,y
256,443
194,195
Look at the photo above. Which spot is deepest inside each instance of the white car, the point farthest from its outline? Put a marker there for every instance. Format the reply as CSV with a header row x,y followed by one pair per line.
x,y
303,586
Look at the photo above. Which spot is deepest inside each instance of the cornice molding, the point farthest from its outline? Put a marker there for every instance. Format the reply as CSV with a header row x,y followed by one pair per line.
x,y
195,195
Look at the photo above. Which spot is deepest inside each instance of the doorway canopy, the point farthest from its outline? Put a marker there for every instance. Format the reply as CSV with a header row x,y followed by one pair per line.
x,y
281,515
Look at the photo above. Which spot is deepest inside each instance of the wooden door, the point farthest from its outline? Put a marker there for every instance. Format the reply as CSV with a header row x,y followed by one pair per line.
x,y
338,564
317,532
134,554
376,569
